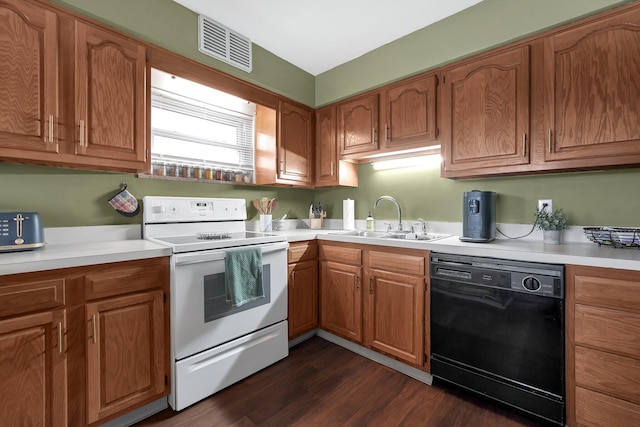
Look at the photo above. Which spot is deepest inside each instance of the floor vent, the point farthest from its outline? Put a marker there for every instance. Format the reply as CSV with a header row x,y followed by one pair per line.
x,y
224,44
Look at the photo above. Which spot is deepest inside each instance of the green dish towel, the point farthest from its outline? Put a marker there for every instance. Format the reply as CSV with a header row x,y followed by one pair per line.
x,y
243,275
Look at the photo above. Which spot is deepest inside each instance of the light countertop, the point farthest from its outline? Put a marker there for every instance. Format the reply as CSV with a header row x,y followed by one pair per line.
x,y
534,250
78,246
53,256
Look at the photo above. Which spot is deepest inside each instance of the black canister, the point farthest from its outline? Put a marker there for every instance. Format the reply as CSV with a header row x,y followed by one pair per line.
x,y
478,216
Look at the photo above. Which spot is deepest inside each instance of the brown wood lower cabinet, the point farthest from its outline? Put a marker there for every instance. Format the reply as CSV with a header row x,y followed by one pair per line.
x,y
603,347
394,315
33,384
375,296
83,345
125,352
303,288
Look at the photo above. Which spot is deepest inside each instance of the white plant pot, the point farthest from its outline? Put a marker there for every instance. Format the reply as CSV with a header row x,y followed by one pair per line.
x,y
552,237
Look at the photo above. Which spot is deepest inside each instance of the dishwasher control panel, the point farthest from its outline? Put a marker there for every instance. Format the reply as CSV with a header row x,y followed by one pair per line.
x,y
533,278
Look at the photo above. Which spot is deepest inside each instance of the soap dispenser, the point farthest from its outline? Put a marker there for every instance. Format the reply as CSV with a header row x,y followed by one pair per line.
x,y
370,224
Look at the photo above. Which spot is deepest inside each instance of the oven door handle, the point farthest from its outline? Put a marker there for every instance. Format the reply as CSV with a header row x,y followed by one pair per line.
x,y
219,254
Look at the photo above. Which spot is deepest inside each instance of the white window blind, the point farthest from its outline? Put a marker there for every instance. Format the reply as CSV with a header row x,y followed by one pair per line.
x,y
194,132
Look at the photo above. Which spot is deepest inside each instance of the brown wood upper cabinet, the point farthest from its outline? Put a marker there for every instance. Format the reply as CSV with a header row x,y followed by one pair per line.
x,y
284,145
592,92
330,170
485,113
110,96
358,130
75,93
295,143
28,77
409,112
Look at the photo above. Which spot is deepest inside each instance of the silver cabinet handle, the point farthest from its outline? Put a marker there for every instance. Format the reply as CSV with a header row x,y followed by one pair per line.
x,y
386,132
357,283
59,337
550,140
51,128
371,286
81,133
93,321
373,135
332,166
524,144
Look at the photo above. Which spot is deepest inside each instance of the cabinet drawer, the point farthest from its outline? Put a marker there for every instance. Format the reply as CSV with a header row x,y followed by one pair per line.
x,y
401,263
31,296
596,409
615,375
613,330
622,290
341,254
304,251
114,279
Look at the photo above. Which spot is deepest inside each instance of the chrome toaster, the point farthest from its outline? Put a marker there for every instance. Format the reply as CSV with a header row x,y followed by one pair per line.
x,y
20,231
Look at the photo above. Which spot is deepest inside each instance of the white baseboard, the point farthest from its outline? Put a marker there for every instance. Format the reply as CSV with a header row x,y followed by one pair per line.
x,y
377,357
294,342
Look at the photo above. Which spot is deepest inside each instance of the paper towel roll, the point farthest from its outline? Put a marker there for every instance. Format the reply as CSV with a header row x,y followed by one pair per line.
x,y
348,215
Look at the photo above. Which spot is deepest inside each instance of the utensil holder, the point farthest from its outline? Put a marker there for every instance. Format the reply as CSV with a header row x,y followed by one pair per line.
x,y
265,223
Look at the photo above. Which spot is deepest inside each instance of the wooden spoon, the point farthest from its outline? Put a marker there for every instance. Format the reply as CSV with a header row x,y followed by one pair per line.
x,y
256,204
272,205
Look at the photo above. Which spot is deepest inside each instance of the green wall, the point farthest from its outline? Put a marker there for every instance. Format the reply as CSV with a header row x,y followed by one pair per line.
x,y
77,198
488,24
65,197
588,198
167,24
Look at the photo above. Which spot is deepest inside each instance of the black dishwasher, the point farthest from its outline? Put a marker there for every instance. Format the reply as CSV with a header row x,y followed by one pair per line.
x,y
497,328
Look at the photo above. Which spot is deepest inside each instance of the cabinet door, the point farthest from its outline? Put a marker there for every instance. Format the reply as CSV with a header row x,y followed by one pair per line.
x,y
411,113
33,385
341,300
28,77
485,113
326,147
294,142
303,297
394,315
125,353
110,97
358,126
330,170
591,85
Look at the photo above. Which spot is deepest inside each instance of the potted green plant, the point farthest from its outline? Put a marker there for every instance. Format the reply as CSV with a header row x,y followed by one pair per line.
x,y
551,224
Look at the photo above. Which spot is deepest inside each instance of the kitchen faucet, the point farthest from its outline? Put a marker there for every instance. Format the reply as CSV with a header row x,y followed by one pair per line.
x,y
391,199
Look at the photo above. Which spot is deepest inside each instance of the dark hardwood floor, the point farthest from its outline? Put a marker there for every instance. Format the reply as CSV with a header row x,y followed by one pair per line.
x,y
322,384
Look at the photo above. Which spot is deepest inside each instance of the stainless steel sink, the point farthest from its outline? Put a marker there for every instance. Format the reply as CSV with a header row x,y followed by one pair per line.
x,y
378,234
414,236
404,235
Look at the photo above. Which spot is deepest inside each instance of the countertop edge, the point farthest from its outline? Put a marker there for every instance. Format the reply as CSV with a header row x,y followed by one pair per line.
x,y
58,256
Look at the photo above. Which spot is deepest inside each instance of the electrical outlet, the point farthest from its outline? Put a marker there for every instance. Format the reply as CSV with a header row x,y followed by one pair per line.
x,y
547,202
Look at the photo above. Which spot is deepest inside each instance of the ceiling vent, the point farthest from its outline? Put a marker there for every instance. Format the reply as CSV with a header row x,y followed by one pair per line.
x,y
224,44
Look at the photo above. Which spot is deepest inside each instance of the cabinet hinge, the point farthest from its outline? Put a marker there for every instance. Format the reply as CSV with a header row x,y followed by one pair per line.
x,y
437,80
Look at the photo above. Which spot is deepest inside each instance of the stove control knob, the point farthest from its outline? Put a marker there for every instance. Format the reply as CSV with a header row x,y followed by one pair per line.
x,y
531,283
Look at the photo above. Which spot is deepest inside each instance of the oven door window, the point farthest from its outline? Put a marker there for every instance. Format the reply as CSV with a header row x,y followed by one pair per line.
x,y
508,334
215,301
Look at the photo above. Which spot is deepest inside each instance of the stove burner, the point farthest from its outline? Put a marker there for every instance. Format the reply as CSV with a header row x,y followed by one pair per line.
x,y
214,236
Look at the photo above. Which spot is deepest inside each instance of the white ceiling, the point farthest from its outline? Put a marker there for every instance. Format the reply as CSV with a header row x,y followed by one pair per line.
x,y
319,35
